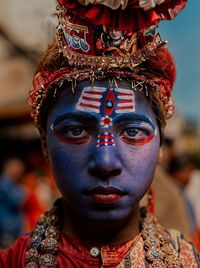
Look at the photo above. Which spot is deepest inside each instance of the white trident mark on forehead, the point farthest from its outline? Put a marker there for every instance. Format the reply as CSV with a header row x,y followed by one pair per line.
x,y
126,100
90,99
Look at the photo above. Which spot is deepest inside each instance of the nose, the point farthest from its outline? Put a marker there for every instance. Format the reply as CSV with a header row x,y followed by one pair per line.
x,y
105,162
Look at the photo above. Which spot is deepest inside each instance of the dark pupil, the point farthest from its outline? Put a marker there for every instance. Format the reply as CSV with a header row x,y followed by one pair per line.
x,y
76,131
132,132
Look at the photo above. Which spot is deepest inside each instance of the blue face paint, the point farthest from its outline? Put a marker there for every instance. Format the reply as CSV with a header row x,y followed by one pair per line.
x,y
100,182
106,101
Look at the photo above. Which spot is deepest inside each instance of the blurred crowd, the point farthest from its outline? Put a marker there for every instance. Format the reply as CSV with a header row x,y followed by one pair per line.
x,y
177,181
26,187
26,192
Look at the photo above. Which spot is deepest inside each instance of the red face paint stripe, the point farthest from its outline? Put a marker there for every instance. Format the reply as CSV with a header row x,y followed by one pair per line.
x,y
89,105
90,98
148,139
105,137
136,143
124,108
69,141
109,102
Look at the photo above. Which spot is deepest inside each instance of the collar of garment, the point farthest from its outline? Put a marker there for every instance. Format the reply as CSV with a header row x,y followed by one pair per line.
x,y
111,255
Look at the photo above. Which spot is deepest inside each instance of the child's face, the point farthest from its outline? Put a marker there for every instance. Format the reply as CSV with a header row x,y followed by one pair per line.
x,y
103,144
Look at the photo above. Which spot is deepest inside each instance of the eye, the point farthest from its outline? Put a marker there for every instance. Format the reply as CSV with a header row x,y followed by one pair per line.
x,y
76,132
136,135
72,134
132,132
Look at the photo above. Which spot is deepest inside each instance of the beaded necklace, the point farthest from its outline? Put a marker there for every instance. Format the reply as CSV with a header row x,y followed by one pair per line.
x,y
43,244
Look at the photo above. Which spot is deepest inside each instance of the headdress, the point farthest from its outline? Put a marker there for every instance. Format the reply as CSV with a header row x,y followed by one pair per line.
x,y
117,38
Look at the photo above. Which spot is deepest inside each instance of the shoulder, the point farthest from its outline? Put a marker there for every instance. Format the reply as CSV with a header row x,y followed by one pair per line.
x,y
186,251
14,256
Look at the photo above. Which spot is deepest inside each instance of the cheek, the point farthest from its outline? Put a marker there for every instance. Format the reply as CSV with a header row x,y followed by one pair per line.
x,y
66,162
141,163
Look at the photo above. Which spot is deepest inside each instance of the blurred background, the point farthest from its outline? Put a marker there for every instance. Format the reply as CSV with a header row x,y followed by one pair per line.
x,y
27,188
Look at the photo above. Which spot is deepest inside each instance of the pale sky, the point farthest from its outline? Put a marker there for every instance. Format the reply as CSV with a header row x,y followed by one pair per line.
x,y
183,35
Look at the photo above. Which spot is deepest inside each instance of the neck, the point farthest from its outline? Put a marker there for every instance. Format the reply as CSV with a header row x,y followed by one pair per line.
x,y
98,233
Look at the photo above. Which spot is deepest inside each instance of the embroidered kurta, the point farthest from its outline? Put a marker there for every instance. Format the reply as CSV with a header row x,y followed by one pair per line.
x,y
73,253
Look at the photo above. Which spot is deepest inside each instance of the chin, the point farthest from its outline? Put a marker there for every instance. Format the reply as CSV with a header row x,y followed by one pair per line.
x,y
109,216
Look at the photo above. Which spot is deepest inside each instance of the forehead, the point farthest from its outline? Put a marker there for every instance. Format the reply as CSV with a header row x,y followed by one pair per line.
x,y
102,98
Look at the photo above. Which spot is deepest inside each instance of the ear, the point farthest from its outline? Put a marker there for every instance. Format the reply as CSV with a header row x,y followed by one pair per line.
x,y
160,156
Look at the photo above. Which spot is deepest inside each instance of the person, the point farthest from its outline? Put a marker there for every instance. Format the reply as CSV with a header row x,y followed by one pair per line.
x,y
179,218
101,121
192,191
12,198
181,168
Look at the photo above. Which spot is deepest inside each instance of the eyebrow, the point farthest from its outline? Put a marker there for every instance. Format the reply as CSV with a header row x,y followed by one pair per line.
x,y
80,116
133,117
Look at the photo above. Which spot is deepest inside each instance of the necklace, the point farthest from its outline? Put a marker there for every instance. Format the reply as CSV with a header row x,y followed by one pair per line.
x,y
43,244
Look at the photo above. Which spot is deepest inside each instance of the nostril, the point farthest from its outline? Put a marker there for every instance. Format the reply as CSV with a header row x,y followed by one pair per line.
x,y
116,172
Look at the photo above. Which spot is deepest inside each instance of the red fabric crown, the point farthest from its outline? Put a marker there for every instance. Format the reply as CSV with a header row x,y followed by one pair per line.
x,y
98,41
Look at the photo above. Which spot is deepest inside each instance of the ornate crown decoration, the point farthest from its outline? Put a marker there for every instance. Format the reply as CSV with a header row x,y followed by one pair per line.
x,y
101,38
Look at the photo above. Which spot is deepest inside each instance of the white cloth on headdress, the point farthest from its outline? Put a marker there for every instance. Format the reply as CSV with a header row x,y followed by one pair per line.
x,y
149,4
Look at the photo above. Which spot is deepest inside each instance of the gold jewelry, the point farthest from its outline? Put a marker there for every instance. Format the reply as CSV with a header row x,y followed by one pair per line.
x,y
158,250
43,245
